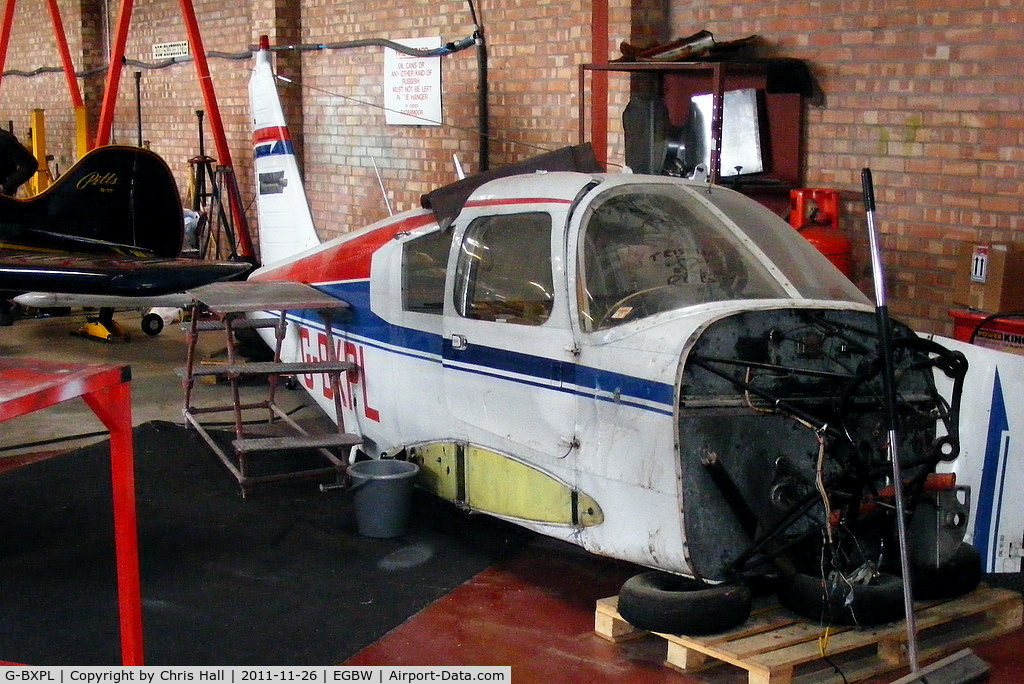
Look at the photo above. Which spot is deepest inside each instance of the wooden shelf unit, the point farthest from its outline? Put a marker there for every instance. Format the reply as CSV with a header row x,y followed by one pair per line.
x,y
678,82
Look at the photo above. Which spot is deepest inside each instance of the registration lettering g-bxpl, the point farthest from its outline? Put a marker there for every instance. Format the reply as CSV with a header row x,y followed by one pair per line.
x,y
29,675
313,346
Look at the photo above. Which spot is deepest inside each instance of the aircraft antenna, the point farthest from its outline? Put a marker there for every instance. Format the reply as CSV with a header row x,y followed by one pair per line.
x,y
458,167
380,182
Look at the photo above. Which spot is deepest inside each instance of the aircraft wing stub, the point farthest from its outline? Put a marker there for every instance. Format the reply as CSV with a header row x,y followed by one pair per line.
x,y
119,276
264,295
268,368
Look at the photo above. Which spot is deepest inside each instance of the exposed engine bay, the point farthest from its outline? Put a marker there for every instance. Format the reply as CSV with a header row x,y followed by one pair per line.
x,y
783,440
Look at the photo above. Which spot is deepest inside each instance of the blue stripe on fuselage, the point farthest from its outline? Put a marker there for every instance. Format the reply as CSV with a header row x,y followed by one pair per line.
x,y
365,327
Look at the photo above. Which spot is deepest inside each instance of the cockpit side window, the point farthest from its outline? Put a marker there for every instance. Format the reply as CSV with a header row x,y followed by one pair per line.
x,y
504,270
424,265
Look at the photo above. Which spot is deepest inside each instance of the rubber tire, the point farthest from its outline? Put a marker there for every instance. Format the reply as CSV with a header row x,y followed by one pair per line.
x,y
152,324
670,604
873,604
957,576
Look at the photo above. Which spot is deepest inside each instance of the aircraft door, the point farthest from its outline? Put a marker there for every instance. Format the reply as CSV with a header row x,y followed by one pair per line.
x,y
407,290
507,345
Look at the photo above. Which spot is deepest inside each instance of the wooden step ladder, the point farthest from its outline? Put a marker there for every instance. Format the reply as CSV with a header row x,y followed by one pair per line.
x,y
224,307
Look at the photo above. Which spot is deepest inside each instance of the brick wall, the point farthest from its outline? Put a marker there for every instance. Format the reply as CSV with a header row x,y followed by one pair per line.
x,y
929,96
32,35
162,102
335,105
532,52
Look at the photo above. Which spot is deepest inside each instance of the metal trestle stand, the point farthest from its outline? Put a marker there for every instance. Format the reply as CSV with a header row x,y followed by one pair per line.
x,y
227,305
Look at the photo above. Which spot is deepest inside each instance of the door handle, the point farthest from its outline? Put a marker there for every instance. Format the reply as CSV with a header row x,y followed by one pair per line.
x,y
459,342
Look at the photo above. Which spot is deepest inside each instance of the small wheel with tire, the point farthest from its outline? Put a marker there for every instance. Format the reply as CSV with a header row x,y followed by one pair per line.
x,y
843,603
152,324
671,604
958,575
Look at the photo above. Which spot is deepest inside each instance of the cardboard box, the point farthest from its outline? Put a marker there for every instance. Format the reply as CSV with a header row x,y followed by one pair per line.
x,y
989,277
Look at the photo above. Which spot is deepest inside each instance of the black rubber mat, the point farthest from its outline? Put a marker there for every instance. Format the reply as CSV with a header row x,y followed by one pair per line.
x,y
278,578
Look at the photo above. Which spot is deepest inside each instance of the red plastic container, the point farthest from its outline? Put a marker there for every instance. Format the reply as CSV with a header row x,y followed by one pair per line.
x,y
1004,334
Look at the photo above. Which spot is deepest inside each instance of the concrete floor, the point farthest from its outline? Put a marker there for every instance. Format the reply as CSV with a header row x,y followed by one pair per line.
x,y
157,392
534,611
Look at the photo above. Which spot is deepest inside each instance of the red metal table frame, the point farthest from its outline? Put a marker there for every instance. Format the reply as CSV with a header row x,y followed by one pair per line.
x,y
30,385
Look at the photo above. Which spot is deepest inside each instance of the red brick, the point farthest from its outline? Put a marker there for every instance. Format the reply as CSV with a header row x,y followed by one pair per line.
x,y
925,94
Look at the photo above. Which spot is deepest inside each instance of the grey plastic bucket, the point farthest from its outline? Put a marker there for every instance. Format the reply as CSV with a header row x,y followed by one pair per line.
x,y
382,490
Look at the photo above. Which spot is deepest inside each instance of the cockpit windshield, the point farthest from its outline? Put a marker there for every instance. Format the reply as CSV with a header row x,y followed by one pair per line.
x,y
655,250
648,249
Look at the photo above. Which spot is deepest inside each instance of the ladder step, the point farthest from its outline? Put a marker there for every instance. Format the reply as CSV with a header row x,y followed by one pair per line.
x,y
268,368
237,324
240,296
250,444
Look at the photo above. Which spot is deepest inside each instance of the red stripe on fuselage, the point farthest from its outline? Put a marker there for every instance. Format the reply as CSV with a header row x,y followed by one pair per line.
x,y
270,134
345,259
349,259
515,200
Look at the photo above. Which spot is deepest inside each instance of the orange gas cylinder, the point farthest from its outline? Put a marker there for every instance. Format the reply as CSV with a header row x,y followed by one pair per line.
x,y
833,245
814,212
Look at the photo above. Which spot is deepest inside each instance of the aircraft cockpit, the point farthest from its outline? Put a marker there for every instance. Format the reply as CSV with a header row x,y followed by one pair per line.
x,y
657,248
652,251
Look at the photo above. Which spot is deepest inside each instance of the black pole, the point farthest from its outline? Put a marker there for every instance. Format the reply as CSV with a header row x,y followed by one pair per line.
x,y
199,200
202,142
882,309
889,387
138,104
483,114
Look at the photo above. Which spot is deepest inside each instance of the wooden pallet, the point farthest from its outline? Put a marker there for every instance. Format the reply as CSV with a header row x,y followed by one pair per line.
x,y
776,647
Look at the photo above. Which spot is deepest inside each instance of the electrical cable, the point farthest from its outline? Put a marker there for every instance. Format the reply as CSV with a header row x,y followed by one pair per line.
x,y
52,440
449,48
992,317
465,129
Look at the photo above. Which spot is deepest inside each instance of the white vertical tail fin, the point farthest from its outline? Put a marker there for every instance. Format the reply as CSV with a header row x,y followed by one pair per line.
x,y
286,225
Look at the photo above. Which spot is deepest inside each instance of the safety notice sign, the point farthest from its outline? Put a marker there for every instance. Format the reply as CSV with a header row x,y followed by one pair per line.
x,y
412,85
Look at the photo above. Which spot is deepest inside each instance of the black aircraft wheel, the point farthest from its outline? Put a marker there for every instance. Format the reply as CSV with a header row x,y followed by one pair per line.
x,y
841,603
152,324
670,604
956,577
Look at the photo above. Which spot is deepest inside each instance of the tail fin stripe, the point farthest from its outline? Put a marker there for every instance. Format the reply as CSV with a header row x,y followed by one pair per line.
x,y
271,134
272,140
275,148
